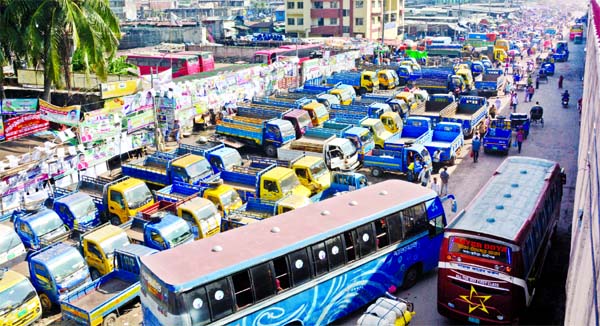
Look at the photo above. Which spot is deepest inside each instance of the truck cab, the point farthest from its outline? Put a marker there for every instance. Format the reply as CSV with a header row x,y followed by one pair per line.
x,y
224,158
380,134
191,169
317,112
39,228
386,79
362,140
56,271
78,211
126,198
279,182
369,81
98,247
11,246
467,77
161,231
312,173
409,98
225,198
19,303
500,55
391,122
202,217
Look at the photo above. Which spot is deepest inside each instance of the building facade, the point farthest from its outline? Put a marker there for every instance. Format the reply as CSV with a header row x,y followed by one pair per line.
x,y
123,9
371,19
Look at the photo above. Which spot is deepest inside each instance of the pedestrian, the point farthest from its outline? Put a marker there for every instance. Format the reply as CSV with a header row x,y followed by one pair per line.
x,y
514,100
537,82
445,177
435,186
486,123
507,87
498,104
436,160
560,81
529,80
520,136
475,147
424,176
492,111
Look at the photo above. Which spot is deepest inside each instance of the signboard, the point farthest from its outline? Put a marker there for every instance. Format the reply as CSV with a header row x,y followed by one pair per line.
x,y
120,88
140,120
68,115
480,248
1,130
19,105
24,125
141,101
100,124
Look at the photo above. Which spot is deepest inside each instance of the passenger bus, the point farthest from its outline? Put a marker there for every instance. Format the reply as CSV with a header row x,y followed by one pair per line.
x,y
575,30
493,252
302,51
206,60
309,266
182,64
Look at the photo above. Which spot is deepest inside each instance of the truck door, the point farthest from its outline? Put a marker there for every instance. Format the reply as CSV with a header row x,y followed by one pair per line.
x,y
270,190
116,205
95,259
127,263
336,157
26,234
42,279
156,240
191,221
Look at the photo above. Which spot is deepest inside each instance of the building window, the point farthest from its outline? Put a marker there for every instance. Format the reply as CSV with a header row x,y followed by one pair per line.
x,y
334,4
358,21
345,29
318,5
300,5
290,21
359,4
333,21
300,21
320,21
290,5
345,12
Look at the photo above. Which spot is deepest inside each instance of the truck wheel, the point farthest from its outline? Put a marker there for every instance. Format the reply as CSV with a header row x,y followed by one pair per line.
x,y
46,303
271,151
362,91
110,320
94,274
452,160
376,172
115,220
411,277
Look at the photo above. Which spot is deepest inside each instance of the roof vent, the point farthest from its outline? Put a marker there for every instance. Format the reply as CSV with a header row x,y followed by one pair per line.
x,y
275,229
353,203
523,172
507,195
217,248
325,213
515,185
490,220
500,207
383,193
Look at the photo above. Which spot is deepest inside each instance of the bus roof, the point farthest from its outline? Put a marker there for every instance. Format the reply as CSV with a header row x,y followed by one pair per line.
x,y
160,55
246,246
507,201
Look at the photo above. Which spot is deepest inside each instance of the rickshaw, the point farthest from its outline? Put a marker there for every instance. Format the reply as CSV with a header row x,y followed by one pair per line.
x,y
536,114
520,120
542,75
549,68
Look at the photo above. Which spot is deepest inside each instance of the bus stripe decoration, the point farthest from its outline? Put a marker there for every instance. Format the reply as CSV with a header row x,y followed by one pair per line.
x,y
313,265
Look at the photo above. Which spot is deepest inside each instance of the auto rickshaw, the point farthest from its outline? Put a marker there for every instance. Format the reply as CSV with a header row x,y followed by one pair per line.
x,y
578,39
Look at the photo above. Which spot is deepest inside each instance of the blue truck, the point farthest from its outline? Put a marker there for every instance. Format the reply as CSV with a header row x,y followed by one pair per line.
x,y
341,182
491,82
470,113
300,119
39,228
98,302
498,137
316,111
562,51
373,110
362,81
397,105
253,211
77,210
448,139
396,156
55,272
268,134
438,80
322,97
177,191
246,179
436,107
218,155
162,168
416,130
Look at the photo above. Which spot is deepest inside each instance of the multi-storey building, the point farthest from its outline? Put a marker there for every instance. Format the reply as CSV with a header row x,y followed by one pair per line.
x,y
123,9
372,19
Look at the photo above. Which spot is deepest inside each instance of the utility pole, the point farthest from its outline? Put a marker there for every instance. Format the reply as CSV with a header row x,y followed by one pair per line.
x,y
382,22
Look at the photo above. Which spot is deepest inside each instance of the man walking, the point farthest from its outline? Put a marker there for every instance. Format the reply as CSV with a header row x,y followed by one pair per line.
x,y
444,176
435,186
514,100
498,104
476,146
520,137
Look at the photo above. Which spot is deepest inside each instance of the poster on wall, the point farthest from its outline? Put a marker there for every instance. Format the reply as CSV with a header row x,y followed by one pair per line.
x,y
19,105
140,120
1,130
100,124
24,125
68,115
120,88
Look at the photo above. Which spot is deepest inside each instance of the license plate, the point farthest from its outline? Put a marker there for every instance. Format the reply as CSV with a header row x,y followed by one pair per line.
x,y
22,313
474,320
494,147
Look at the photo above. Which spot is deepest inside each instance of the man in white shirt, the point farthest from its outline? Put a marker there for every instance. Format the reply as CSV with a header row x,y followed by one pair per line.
x,y
435,186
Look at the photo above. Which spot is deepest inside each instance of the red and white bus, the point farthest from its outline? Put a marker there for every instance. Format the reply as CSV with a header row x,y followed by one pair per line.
x,y
302,51
182,64
206,59
493,252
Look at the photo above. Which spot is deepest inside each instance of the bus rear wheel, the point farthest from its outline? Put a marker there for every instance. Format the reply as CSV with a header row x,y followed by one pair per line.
x,y
410,277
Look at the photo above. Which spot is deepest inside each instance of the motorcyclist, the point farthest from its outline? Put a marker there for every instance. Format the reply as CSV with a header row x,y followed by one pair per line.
x,y
565,96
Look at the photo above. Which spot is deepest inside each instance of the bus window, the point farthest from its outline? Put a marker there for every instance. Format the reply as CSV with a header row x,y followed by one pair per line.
x,y
414,220
334,248
197,307
263,281
219,296
319,256
282,275
394,226
241,288
365,240
300,266
381,231
349,244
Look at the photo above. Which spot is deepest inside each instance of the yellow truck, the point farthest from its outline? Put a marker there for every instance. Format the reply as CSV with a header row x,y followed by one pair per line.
x,y
317,111
19,302
345,93
98,246
363,81
464,71
224,197
378,130
388,79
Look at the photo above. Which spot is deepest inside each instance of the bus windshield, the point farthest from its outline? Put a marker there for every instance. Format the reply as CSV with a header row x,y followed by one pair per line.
x,y
15,296
480,249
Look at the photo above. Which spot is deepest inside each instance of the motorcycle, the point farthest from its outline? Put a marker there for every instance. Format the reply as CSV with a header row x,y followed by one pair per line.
x,y
565,102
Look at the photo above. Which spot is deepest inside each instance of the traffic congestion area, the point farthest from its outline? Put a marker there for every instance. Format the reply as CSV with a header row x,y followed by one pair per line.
x,y
241,198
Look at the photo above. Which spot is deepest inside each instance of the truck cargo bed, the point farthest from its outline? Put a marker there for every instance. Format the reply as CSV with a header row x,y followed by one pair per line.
x,y
136,235
153,166
101,294
240,186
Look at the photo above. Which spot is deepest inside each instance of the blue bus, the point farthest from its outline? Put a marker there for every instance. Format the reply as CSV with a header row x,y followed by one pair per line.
x,y
309,266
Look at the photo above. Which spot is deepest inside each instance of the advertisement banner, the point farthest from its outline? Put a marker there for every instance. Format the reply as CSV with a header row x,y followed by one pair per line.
x,y
140,120
24,125
19,105
100,124
96,155
1,130
114,103
138,102
142,139
68,115
120,88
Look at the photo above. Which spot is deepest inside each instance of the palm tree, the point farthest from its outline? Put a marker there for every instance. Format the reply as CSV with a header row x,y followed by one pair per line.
x,y
58,27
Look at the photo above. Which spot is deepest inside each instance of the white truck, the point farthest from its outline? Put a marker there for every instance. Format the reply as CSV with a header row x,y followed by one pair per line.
x,y
338,153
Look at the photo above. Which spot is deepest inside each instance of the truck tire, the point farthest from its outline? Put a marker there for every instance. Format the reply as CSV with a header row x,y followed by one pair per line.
x,y
271,151
377,172
410,277
46,303
115,220
110,320
94,274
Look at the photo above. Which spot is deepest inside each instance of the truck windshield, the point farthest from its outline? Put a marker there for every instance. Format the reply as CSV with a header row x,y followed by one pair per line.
x,y
303,120
366,137
287,130
321,111
15,296
230,198
378,128
111,244
66,265
138,196
288,184
83,210
178,233
9,241
232,158
318,169
198,169
49,223
348,148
